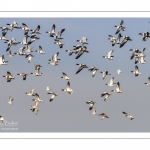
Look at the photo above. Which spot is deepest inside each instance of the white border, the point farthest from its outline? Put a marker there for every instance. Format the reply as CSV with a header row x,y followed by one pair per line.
x,y
77,135
74,14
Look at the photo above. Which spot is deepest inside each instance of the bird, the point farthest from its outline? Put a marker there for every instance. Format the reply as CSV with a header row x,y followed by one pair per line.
x,y
80,51
36,73
2,119
93,70
4,32
94,111
83,41
24,42
9,77
36,30
81,67
11,43
21,52
52,96
120,27
103,116
127,115
109,56
105,73
57,36
54,60
35,107
37,98
29,50
23,75
65,76
59,43
148,82
52,31
119,71
13,25
31,92
111,83
70,52
142,61
10,100
115,40
117,90
125,40
2,61
106,95
136,71
29,56
47,88
91,104
40,51
10,54
26,29
145,35
34,37
68,89
37,67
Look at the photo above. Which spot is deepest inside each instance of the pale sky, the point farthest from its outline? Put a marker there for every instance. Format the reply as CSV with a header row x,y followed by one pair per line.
x,y
70,113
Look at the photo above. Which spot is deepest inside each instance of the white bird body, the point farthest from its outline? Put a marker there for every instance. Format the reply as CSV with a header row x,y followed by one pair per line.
x,y
111,83
2,60
10,100
109,56
68,89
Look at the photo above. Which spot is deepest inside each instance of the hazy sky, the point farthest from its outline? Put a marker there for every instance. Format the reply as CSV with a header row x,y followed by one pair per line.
x,y
70,113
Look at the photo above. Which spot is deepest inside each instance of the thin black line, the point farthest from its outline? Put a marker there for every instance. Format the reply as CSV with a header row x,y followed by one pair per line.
x,y
74,11
76,138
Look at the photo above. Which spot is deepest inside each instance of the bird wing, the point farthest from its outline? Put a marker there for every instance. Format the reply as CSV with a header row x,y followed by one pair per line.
x,y
79,54
53,29
8,73
68,84
111,81
38,28
109,53
24,77
149,80
79,69
31,91
60,32
24,25
121,23
118,86
123,42
93,73
40,48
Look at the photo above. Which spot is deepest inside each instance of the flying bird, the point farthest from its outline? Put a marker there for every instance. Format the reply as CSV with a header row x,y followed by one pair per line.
x,y
10,100
106,95
81,67
129,116
117,90
109,56
91,104
52,96
136,71
65,76
105,73
9,77
68,89
120,27
93,70
103,116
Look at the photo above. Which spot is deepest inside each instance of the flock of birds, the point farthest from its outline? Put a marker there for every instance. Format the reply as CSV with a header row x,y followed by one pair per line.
x,y
78,50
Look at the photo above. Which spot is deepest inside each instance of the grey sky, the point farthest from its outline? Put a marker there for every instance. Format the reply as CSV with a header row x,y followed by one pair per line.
x,y
69,113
